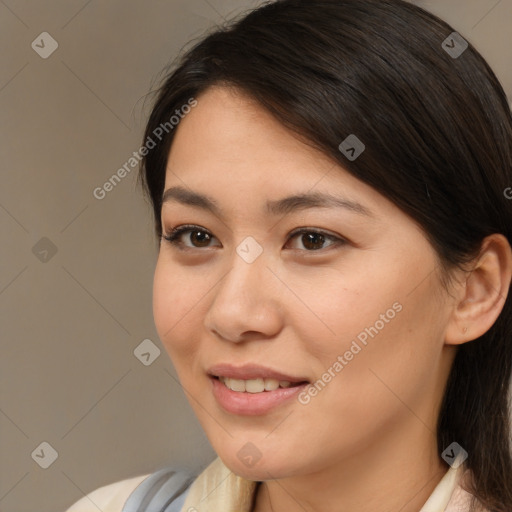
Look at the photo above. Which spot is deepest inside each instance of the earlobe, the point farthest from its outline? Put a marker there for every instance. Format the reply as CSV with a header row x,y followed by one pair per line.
x,y
483,293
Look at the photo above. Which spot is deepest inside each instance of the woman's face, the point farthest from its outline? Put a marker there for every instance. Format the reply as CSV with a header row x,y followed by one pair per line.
x,y
360,316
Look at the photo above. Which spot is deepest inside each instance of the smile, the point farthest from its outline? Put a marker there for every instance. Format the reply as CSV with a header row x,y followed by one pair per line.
x,y
255,385
253,397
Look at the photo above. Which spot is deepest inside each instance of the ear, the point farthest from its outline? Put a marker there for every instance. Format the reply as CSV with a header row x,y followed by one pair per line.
x,y
482,295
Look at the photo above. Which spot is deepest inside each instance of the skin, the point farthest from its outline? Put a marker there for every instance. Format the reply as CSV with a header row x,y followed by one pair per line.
x,y
296,309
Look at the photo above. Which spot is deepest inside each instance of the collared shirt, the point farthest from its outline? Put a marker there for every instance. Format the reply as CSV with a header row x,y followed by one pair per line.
x,y
218,489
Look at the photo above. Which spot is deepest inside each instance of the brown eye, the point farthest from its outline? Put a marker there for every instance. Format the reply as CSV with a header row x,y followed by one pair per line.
x,y
201,237
314,240
198,237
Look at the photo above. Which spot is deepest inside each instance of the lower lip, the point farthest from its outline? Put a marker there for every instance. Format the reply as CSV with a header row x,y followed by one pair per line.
x,y
252,404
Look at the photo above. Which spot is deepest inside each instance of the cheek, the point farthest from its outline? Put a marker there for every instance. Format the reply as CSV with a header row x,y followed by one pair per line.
x,y
177,309
381,323
341,304
390,344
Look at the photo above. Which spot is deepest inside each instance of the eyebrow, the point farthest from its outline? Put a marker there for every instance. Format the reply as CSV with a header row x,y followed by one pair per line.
x,y
278,207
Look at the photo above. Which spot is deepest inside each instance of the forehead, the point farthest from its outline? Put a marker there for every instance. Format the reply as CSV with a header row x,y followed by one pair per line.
x,y
229,127
229,147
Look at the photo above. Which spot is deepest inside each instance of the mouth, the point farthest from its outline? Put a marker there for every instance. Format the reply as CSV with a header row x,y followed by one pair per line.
x,y
257,385
253,378
256,396
252,389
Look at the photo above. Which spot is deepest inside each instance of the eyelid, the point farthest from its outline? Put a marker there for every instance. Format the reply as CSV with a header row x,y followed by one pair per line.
x,y
176,232
336,240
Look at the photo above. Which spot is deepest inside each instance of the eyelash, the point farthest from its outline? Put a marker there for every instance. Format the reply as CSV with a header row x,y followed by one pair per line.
x,y
175,234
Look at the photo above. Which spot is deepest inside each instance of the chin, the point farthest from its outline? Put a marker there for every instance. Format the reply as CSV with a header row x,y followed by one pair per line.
x,y
259,473
262,469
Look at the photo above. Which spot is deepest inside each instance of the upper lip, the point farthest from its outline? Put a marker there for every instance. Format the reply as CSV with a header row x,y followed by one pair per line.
x,y
251,371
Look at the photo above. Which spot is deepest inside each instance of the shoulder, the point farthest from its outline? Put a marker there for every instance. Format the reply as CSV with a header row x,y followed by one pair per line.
x,y
147,492
109,498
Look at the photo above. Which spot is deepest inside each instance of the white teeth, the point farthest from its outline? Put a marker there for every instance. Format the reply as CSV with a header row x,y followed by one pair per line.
x,y
235,384
254,385
271,384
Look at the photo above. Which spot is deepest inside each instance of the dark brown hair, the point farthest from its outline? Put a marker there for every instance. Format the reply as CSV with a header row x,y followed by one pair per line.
x,y
437,130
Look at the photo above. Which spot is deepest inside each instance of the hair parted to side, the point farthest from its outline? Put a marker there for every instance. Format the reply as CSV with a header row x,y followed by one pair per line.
x,y
438,137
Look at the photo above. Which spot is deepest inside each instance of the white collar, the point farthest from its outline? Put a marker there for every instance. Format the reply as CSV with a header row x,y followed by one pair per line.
x,y
218,488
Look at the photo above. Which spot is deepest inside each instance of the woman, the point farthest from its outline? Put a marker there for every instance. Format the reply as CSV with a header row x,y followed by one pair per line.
x,y
328,182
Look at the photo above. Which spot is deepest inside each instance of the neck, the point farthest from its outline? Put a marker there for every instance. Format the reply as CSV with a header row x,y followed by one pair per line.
x,y
397,475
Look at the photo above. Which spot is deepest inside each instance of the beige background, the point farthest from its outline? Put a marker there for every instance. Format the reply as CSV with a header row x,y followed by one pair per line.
x,y
70,325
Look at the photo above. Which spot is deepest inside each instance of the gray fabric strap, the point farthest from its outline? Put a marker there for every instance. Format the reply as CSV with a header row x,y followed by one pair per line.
x,y
162,491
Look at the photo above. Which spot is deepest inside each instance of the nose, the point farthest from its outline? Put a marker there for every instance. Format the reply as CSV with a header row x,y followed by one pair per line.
x,y
247,302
